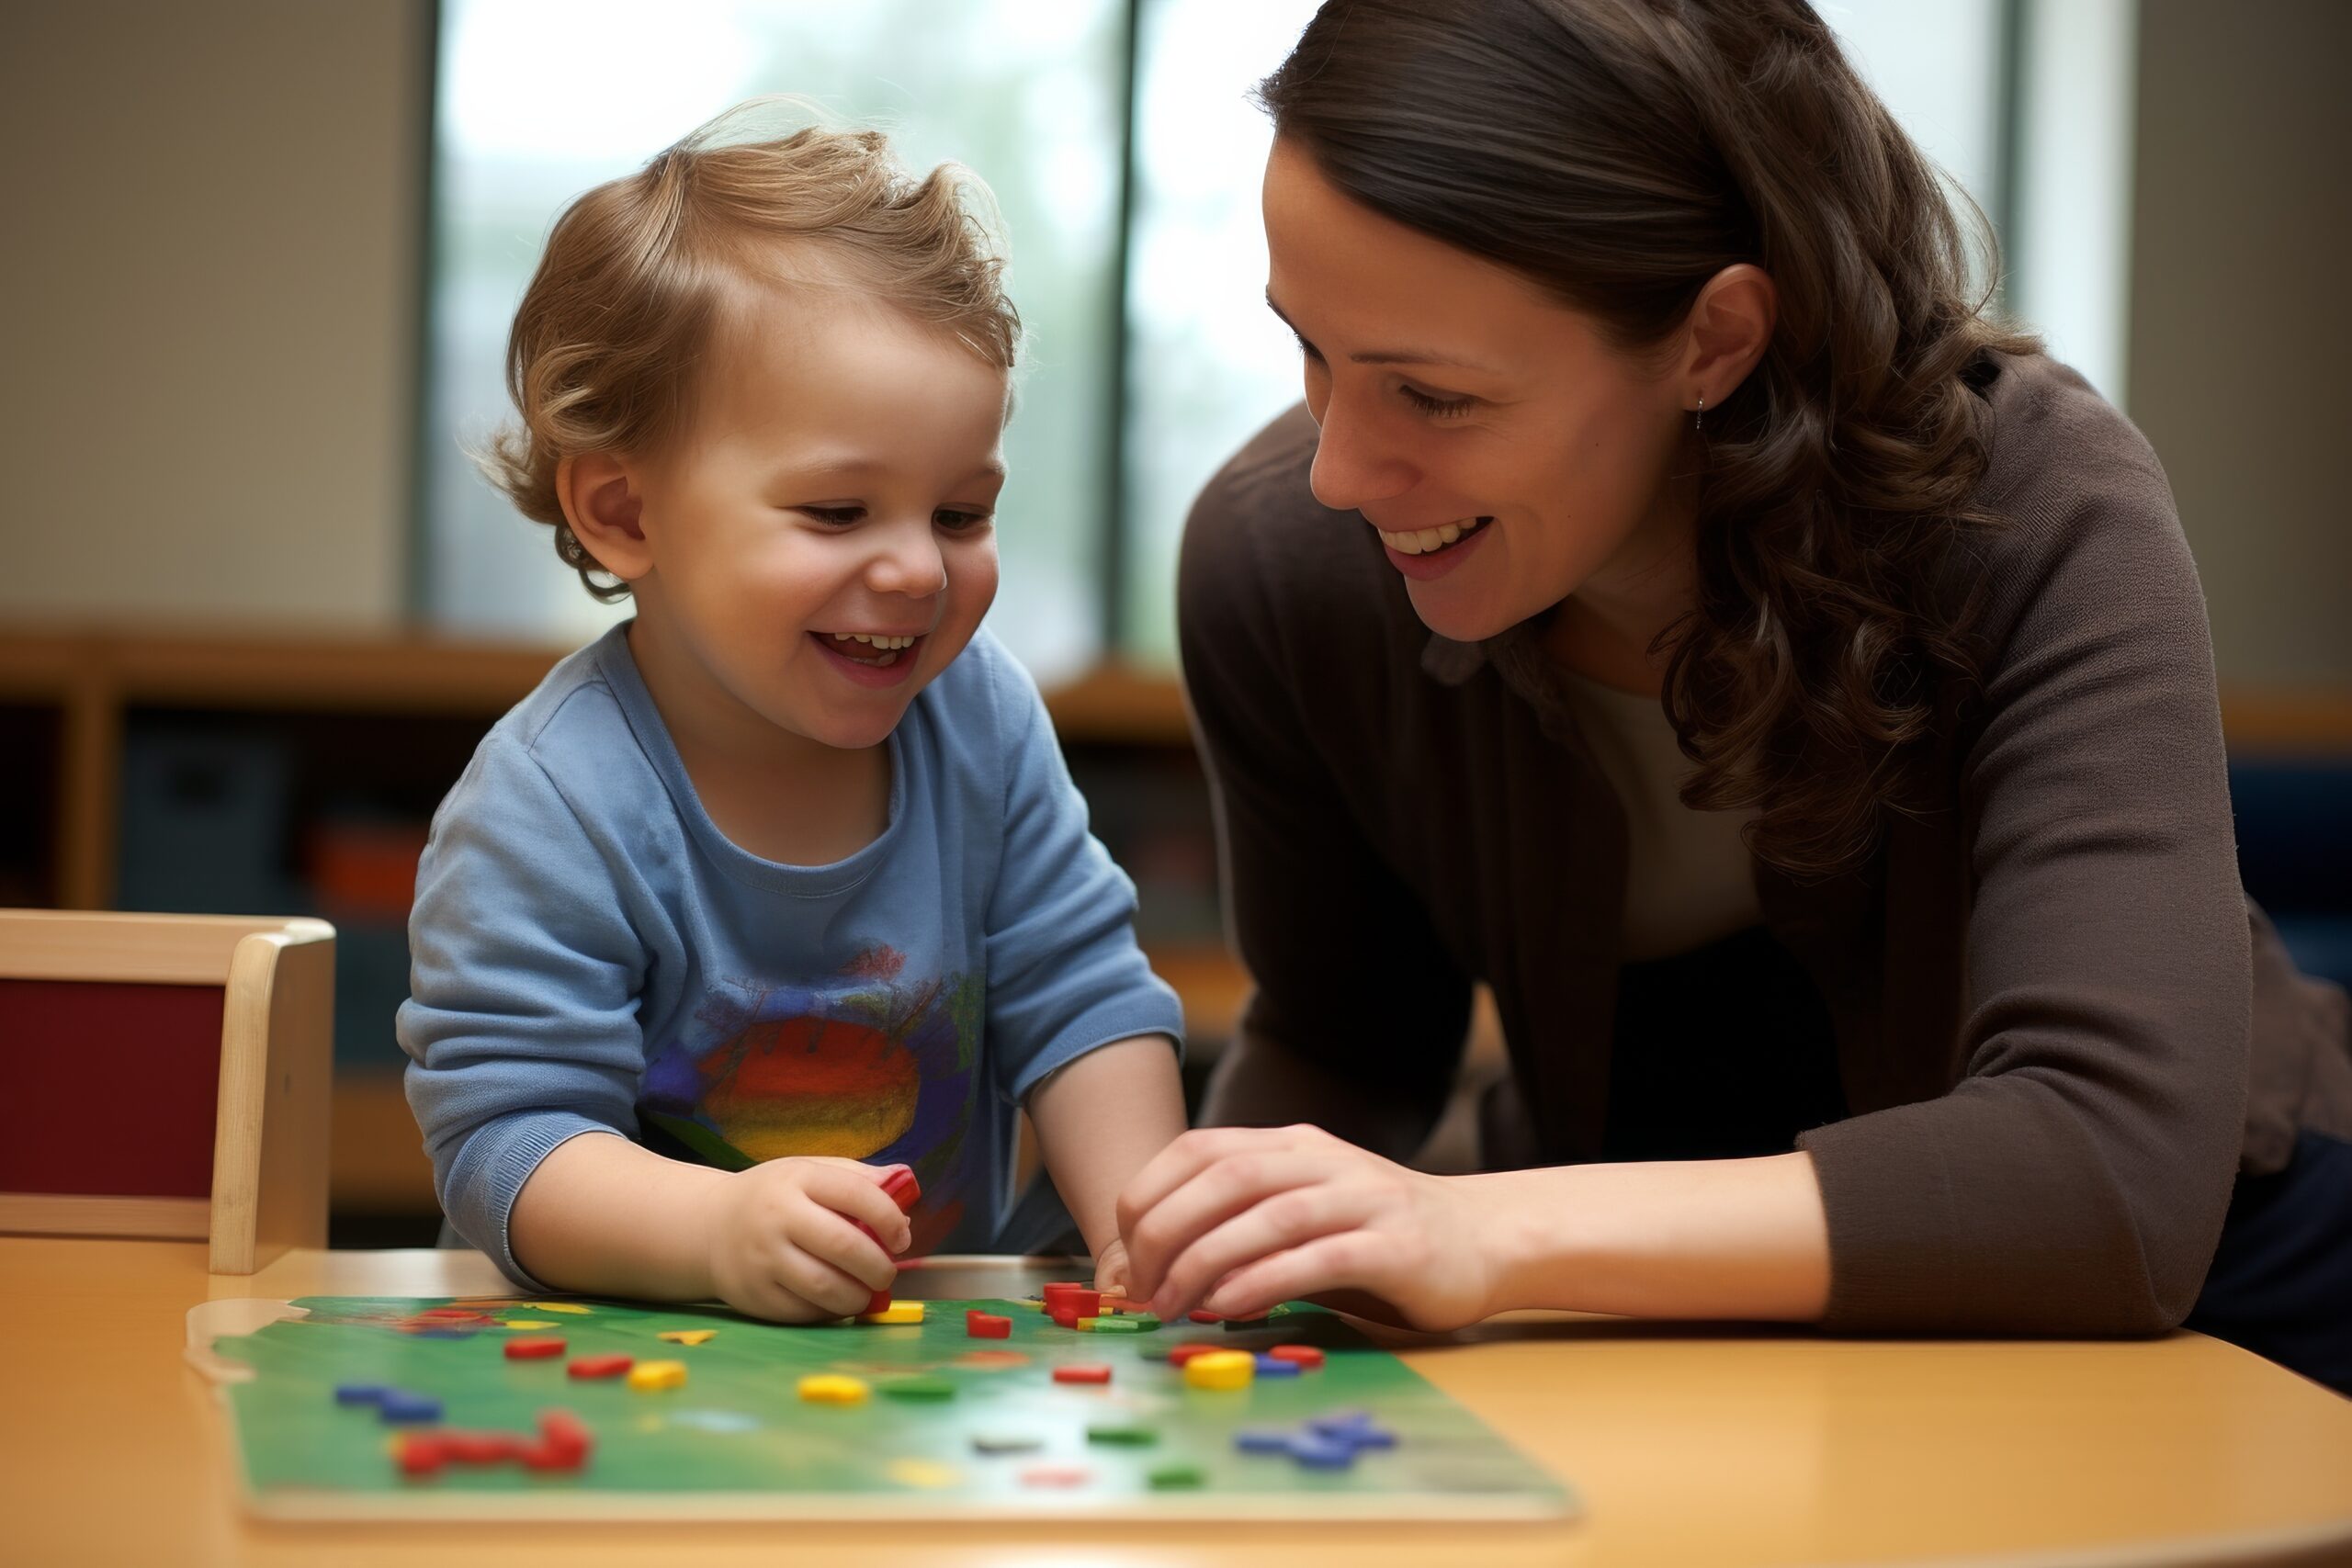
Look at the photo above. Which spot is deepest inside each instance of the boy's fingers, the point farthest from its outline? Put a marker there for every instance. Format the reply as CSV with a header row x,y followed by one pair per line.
x,y
858,1197
813,1279
831,1228
827,1258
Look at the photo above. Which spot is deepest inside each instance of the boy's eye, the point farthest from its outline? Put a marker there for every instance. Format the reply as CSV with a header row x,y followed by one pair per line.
x,y
835,513
960,522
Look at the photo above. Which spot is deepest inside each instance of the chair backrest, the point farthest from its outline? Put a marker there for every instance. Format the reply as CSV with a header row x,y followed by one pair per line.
x,y
170,1077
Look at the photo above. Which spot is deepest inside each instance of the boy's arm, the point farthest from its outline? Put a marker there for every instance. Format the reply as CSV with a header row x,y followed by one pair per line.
x,y
1079,1028
521,1024
1101,1120
603,1216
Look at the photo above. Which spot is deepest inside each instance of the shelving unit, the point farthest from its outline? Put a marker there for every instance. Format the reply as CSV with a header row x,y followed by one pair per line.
x,y
299,771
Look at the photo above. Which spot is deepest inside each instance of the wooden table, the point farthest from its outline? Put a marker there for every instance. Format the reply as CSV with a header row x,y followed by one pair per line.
x,y
1688,1446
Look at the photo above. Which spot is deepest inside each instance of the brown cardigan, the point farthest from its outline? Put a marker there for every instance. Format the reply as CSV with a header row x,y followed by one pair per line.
x,y
2061,1027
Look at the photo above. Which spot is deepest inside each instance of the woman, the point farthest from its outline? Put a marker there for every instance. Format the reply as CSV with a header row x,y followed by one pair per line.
x,y
1680,609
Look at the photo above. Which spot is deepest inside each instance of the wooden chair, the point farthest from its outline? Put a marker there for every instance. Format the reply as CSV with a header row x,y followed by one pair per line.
x,y
167,1076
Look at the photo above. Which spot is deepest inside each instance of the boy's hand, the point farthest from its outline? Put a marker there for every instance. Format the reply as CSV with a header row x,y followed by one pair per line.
x,y
783,1247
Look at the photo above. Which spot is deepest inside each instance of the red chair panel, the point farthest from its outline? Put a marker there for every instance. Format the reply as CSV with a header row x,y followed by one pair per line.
x,y
110,1089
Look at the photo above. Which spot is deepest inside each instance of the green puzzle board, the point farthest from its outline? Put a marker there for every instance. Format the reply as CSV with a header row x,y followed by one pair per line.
x,y
737,1441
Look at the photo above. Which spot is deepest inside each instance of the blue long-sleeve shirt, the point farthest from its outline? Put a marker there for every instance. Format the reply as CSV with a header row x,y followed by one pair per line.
x,y
590,953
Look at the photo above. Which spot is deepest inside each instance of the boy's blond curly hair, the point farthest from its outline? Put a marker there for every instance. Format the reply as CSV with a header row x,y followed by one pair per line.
x,y
621,308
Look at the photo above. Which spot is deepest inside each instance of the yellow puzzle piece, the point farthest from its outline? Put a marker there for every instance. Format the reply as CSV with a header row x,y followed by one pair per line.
x,y
829,1387
897,1312
524,1323
646,1376
558,1306
929,1474
687,1336
1221,1369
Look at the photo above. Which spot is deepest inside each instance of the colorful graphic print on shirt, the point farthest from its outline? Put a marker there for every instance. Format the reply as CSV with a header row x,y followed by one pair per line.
x,y
874,1066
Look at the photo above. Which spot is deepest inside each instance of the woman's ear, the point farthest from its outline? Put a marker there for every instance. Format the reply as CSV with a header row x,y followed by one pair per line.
x,y
599,494
1729,328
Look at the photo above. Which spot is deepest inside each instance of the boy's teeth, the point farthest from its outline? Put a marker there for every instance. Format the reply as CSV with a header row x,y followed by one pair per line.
x,y
881,642
1422,541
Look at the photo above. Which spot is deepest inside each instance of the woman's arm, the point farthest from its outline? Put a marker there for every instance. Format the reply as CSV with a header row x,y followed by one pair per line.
x,y
2074,1181
1237,1219
1727,1238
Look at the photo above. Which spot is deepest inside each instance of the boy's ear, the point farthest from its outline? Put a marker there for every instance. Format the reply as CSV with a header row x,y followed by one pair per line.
x,y
599,495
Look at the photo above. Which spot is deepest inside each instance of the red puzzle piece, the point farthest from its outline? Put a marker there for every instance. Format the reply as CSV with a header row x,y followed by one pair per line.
x,y
602,1366
901,1188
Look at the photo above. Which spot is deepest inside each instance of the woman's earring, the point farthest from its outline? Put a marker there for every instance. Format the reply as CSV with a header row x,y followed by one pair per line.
x,y
1699,420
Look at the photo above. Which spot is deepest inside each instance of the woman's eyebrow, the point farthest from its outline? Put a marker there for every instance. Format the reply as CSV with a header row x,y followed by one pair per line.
x,y
1390,356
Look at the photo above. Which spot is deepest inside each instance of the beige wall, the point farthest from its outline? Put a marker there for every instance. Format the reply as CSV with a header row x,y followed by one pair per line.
x,y
207,306
2242,318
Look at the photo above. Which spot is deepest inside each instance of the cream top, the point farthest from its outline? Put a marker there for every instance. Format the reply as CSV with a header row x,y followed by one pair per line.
x,y
1688,877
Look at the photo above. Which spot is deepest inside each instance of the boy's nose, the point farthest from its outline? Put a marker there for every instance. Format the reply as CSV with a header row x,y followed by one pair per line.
x,y
910,567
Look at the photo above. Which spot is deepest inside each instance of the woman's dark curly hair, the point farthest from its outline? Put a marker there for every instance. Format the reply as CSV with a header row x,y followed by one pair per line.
x,y
1621,153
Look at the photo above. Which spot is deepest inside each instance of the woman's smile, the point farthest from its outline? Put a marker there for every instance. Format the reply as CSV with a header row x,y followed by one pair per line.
x,y
1429,553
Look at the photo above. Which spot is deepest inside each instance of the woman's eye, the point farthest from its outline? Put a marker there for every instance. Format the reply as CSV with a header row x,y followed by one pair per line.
x,y
1436,408
961,521
837,515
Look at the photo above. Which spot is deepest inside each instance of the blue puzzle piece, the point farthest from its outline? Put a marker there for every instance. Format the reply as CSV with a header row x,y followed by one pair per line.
x,y
1322,1453
1275,1367
400,1408
1262,1440
360,1393
1341,1421
1354,1427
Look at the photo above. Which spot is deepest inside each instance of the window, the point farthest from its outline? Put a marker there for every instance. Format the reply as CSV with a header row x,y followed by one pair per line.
x,y
538,102
1137,386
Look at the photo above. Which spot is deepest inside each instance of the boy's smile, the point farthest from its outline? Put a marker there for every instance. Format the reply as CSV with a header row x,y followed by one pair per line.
x,y
872,660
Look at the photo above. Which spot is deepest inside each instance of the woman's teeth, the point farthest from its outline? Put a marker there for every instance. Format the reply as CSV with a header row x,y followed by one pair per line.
x,y
1422,541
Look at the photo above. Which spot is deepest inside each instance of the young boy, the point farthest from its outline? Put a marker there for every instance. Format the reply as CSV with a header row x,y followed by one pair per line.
x,y
782,885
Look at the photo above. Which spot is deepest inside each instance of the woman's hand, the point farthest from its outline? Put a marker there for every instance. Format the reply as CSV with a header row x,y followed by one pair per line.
x,y
1111,1272
1237,1219
783,1244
